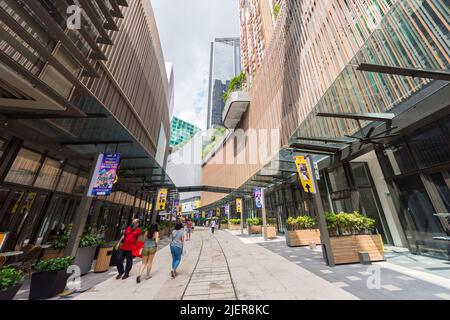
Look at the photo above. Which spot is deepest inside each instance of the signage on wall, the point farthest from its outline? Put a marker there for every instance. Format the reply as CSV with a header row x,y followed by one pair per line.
x,y
303,165
239,205
162,198
105,174
258,197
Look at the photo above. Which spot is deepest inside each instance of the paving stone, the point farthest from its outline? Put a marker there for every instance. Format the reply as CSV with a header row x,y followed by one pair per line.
x,y
353,278
391,287
445,296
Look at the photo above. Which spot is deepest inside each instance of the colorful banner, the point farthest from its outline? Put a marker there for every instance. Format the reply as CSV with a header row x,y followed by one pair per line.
x,y
179,209
105,174
305,173
218,212
239,205
258,202
162,198
227,210
198,204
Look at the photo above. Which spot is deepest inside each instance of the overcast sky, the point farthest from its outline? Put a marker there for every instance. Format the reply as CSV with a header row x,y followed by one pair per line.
x,y
186,28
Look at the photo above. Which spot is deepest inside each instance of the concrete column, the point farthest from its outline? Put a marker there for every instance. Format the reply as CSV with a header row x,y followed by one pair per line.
x,y
81,215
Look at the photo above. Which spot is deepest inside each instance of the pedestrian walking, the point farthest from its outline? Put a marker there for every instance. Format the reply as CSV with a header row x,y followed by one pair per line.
x,y
129,239
176,247
148,252
213,225
189,229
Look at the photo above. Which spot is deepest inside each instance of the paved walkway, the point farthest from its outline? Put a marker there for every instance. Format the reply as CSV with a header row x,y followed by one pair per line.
x,y
229,266
220,266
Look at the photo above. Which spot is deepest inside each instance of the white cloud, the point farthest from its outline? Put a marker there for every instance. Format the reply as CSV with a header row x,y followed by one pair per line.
x,y
186,29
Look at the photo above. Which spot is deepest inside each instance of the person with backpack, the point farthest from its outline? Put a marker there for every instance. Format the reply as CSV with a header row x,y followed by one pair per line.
x,y
129,239
176,248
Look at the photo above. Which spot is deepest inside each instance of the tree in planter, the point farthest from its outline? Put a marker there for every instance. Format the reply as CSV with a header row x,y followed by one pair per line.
x,y
55,264
342,224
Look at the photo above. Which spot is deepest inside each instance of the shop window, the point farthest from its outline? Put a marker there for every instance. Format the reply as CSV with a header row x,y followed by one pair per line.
x,y
442,189
68,179
338,179
48,174
24,168
400,158
430,147
80,185
360,174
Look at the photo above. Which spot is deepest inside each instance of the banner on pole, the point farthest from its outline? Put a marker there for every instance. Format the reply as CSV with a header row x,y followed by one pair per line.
x,y
162,198
258,200
239,205
305,173
105,174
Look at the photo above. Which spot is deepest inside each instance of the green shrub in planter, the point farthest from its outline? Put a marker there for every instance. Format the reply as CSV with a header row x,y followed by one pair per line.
x,y
11,280
301,223
235,221
55,264
254,221
349,223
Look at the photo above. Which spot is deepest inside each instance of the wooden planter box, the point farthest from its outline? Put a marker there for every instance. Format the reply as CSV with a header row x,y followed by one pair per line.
x,y
224,226
346,248
254,229
271,232
51,253
234,226
299,238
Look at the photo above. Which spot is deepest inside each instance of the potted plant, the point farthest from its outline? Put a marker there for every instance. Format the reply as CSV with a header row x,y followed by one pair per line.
x,y
254,225
50,277
234,224
224,224
11,279
352,233
86,252
301,231
58,245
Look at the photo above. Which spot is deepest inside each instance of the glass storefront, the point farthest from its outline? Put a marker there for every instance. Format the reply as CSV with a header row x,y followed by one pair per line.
x,y
418,176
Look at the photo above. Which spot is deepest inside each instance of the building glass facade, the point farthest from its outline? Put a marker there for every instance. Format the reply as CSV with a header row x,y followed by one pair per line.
x,y
181,132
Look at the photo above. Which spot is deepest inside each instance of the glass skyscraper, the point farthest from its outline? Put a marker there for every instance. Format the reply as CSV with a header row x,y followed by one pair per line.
x,y
225,64
181,132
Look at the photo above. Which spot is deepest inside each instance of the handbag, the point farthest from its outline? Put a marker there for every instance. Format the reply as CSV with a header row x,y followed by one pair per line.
x,y
137,249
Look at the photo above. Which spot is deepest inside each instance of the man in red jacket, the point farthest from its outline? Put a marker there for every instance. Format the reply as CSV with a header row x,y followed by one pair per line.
x,y
129,239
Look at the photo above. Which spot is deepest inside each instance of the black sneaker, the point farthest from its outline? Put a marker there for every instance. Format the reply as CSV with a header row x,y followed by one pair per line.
x,y
125,277
119,276
138,279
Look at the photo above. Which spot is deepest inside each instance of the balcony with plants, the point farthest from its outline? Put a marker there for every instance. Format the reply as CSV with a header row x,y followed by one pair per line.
x,y
236,100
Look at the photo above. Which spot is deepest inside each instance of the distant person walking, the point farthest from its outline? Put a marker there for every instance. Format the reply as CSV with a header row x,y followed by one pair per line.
x,y
189,226
129,239
213,225
176,247
148,252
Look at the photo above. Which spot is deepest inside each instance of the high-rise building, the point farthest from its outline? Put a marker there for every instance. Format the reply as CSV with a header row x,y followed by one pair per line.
x,y
341,82
225,63
69,92
181,132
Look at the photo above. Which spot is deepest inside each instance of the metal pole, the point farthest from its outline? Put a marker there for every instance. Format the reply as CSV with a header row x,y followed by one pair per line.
x,y
242,216
324,235
264,219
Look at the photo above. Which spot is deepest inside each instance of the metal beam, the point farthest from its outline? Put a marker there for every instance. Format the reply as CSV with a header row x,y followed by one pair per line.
x,y
313,148
384,117
328,140
24,116
94,142
407,72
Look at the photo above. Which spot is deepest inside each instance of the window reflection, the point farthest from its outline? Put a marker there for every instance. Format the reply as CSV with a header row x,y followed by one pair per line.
x,y
48,174
24,168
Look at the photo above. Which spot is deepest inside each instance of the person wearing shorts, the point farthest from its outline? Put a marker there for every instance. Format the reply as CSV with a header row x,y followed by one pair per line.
x,y
148,252
188,229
